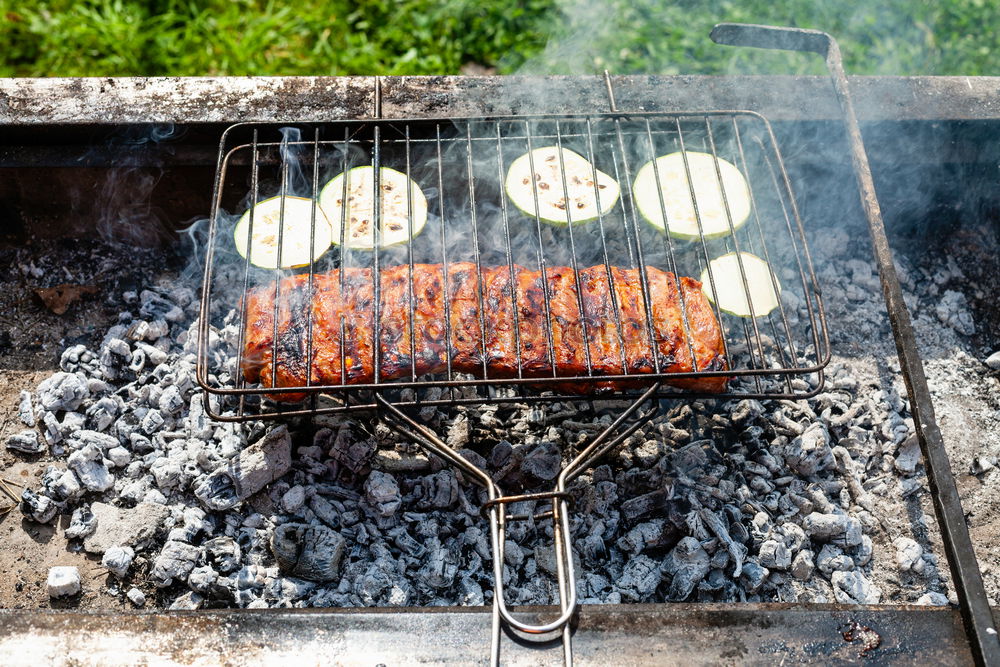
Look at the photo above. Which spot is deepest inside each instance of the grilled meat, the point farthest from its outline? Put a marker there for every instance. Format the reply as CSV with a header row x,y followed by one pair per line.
x,y
469,324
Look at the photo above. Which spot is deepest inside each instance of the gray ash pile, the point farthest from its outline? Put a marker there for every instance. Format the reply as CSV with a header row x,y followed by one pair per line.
x,y
816,500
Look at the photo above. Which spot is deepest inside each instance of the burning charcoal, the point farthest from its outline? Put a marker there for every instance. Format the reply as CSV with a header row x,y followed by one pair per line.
x,y
118,560
831,558
202,578
440,565
440,490
80,440
167,471
152,422
119,457
170,402
993,361
324,511
650,534
102,414
644,505
810,452
124,527
62,391
308,551
908,456
175,561
26,442
382,494
934,599
81,524
640,577
136,597
63,580
156,307
687,564
753,576
909,555
775,555
88,464
717,525
458,432
26,410
222,553
953,310
827,527
542,463
802,565
293,499
354,455
61,485
37,507
854,588
257,466
189,601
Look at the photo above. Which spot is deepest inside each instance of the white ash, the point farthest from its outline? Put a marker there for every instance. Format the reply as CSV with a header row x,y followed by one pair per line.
x,y
63,580
712,501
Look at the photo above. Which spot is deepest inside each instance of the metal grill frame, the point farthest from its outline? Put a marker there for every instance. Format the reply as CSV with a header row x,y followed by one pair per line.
x,y
620,127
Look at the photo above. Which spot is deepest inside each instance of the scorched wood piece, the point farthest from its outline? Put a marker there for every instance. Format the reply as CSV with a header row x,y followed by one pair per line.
x,y
471,318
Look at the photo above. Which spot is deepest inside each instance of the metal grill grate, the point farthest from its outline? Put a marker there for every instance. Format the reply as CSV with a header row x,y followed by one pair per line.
x,y
460,164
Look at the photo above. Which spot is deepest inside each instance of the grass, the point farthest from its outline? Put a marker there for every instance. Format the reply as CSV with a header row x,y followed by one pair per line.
x,y
257,37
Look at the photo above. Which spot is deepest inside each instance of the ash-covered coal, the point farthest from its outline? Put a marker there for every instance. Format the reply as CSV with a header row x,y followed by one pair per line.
x,y
816,500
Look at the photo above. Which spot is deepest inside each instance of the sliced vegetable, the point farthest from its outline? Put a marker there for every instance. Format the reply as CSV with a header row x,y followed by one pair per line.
x,y
395,222
292,217
546,182
761,285
681,221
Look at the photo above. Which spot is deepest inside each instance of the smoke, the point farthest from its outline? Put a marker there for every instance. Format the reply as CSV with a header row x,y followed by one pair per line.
x,y
125,199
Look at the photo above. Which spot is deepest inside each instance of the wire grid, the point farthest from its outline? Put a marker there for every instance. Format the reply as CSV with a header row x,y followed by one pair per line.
x,y
461,164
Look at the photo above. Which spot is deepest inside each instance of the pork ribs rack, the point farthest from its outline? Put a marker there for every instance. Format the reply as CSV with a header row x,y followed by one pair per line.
x,y
488,303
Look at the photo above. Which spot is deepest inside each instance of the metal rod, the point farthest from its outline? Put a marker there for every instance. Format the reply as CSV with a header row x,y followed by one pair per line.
x,y
976,614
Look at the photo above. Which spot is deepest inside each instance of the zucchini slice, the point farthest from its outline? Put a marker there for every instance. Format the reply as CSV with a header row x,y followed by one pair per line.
x,y
549,169
395,222
292,217
681,221
761,285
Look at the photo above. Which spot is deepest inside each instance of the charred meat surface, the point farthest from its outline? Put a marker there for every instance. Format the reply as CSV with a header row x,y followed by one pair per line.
x,y
497,322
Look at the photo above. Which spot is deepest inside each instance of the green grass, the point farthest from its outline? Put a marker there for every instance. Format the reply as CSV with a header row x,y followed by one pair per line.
x,y
254,37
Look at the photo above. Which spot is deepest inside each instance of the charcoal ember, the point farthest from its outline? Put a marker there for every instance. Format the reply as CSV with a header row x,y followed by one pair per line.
x,y
325,511
458,432
175,561
440,490
222,553
643,506
156,307
774,555
36,507
641,576
136,597
802,565
716,524
189,601
168,471
440,565
293,499
119,457
542,463
88,464
470,593
202,579
909,555
152,422
810,453
257,466
308,551
382,494
348,452
832,558
952,309
687,564
81,523
745,411
115,526
101,414
170,401
371,585
118,560
63,391
26,409
838,528
405,542
193,523
854,588
504,460
753,576
25,442
908,456
648,535
60,485
82,439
